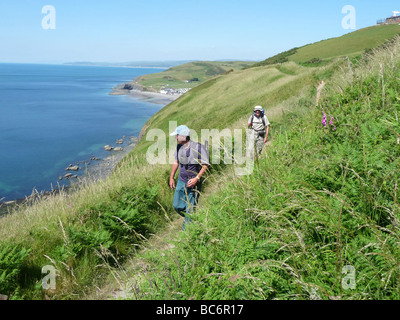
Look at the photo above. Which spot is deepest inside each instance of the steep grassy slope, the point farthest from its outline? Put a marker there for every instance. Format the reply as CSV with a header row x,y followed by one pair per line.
x,y
318,218
227,101
102,223
351,44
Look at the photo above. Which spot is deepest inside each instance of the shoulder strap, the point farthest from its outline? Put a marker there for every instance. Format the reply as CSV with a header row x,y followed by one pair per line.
x,y
178,146
199,150
199,153
262,117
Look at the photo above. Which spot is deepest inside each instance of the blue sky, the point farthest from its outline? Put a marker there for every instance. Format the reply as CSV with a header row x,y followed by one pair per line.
x,y
132,30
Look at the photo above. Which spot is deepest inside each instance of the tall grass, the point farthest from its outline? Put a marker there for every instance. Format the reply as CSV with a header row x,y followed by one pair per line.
x,y
75,231
320,200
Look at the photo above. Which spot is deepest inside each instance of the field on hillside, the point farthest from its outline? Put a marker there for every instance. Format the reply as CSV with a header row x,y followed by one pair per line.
x,y
189,75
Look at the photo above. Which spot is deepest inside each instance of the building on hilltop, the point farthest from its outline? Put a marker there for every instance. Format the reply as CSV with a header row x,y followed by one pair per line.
x,y
391,20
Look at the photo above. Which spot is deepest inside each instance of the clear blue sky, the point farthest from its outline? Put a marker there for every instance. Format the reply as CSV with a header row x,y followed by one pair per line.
x,y
133,30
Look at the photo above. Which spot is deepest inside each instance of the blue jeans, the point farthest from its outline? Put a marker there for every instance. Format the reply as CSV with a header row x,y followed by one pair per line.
x,y
185,200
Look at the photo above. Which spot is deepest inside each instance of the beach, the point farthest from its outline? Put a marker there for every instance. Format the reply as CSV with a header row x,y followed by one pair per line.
x,y
131,90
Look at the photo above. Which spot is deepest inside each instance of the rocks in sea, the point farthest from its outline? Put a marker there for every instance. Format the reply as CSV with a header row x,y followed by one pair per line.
x,y
72,168
109,148
69,176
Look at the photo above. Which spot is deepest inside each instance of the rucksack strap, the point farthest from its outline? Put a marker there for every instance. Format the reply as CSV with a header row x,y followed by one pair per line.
x,y
262,118
198,156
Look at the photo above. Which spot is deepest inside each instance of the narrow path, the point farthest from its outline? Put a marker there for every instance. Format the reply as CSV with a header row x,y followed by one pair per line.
x,y
120,282
319,91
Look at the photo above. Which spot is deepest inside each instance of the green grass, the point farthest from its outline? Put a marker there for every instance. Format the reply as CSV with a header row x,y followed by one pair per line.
x,y
351,44
320,199
274,239
228,100
175,77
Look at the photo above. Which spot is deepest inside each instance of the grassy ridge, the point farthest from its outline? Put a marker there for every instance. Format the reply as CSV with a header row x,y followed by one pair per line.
x,y
351,44
202,71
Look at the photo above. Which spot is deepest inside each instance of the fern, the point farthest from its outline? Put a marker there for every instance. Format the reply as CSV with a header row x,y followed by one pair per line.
x,y
11,261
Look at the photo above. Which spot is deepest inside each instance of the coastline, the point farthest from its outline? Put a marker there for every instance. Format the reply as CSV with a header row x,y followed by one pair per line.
x,y
134,91
92,172
100,169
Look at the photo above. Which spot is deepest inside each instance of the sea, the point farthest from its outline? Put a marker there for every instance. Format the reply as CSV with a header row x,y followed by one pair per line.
x,y
52,116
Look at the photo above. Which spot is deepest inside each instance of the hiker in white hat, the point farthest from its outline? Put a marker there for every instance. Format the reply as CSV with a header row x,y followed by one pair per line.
x,y
192,159
259,123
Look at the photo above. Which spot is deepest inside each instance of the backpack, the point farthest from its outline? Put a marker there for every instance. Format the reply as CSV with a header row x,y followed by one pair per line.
x,y
262,117
199,145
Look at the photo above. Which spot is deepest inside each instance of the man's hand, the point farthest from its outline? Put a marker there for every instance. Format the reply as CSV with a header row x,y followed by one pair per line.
x,y
192,182
171,177
172,183
266,136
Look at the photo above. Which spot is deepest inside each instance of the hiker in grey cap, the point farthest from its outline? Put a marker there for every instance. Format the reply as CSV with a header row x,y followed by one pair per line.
x,y
192,159
259,123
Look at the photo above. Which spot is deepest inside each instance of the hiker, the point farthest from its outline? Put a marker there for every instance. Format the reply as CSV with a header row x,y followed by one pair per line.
x,y
259,123
192,160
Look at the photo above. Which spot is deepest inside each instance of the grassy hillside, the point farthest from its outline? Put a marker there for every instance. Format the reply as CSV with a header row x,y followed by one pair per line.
x,y
281,238
351,44
228,100
318,218
199,71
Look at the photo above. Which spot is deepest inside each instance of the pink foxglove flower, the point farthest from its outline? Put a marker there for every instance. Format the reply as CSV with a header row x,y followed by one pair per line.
x,y
324,119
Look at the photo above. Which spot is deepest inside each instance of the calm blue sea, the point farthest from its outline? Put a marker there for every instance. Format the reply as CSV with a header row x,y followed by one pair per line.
x,y
55,115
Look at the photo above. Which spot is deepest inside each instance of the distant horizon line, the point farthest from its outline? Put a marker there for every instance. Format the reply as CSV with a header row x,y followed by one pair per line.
x,y
161,64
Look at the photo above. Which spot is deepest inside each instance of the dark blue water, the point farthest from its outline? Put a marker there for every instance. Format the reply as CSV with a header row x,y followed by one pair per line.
x,y
52,116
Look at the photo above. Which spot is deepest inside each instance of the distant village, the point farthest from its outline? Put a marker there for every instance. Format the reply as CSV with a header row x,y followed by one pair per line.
x,y
173,91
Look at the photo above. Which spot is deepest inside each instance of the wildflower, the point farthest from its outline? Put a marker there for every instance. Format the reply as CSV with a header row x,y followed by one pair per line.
x,y
331,122
324,119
